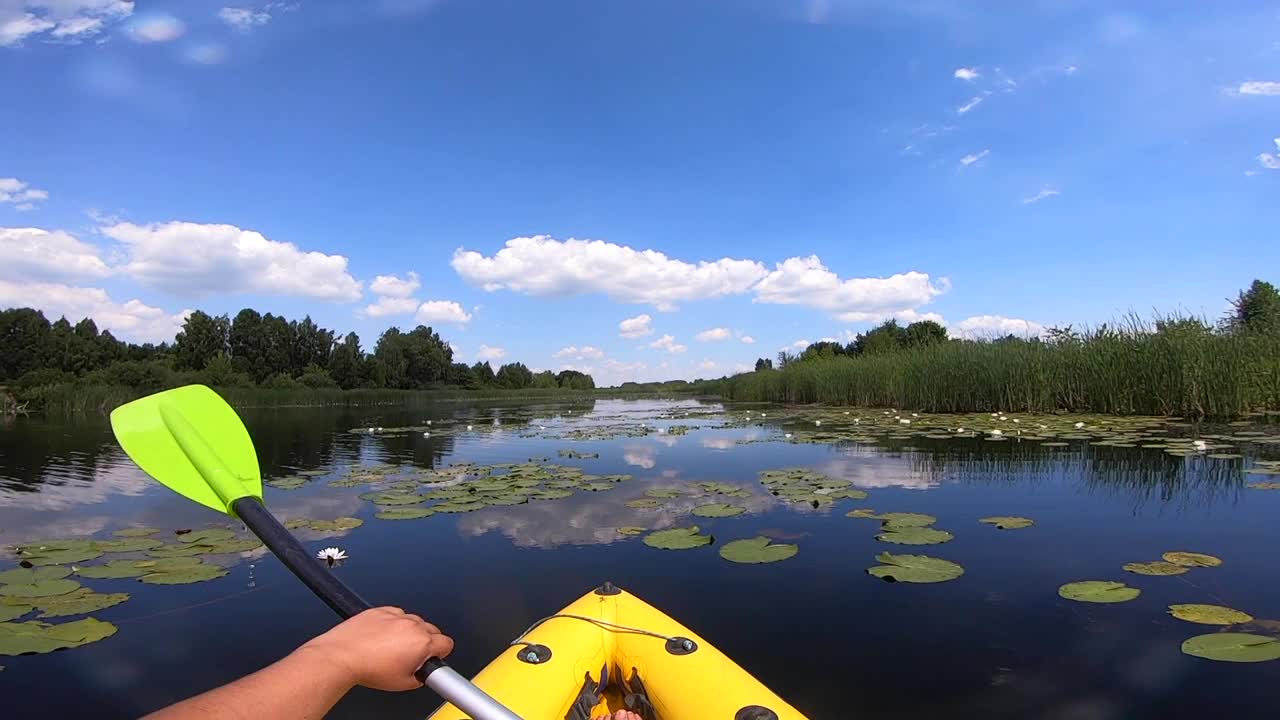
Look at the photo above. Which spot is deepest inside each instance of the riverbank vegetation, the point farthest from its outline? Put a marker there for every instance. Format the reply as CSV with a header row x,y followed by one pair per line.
x,y
1171,366
254,360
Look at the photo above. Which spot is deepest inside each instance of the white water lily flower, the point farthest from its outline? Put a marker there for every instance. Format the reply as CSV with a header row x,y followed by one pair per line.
x,y
426,434
1199,444
331,555
428,422
817,422
763,414
997,433
846,412
1003,418
904,421
1079,425
468,427
959,429
996,414
915,414
1017,420
371,430
787,436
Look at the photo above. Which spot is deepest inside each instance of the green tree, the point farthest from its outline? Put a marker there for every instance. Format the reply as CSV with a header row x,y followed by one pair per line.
x,y
346,362
483,372
763,364
277,333
247,342
513,376
924,332
575,380
544,379
312,345
462,375
202,336
24,337
888,337
1256,310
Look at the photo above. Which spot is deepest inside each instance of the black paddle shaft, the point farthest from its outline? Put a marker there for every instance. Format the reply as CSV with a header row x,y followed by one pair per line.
x,y
340,598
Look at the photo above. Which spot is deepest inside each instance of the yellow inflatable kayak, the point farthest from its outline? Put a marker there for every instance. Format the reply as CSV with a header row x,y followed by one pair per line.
x,y
610,650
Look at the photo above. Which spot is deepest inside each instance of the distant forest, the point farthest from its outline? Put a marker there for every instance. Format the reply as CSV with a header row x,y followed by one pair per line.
x,y
249,350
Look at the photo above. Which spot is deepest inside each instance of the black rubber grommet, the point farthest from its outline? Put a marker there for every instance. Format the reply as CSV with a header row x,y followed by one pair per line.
x,y
608,588
681,646
755,712
534,654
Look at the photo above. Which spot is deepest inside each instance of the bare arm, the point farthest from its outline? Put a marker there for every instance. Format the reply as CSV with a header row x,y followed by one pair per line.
x,y
379,648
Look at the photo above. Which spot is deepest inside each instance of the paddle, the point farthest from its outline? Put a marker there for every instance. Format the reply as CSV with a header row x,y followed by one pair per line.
x,y
191,440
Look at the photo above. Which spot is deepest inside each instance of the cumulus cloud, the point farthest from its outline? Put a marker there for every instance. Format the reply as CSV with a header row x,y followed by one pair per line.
x,y
38,253
806,281
544,266
490,353
1269,161
193,258
714,335
1045,192
446,311
747,340
966,73
667,343
707,364
1259,87
157,28
903,316
980,326
244,19
971,104
636,327
385,306
972,158
394,286
66,21
20,194
798,345
586,352
131,320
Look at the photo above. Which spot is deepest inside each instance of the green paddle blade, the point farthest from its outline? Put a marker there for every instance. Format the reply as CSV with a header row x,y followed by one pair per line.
x,y
191,440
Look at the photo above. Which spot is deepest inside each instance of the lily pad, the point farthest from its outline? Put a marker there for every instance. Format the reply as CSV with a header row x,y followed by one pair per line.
x,y
551,494
1233,647
51,556
183,575
1264,485
207,535
1209,614
1098,591
336,524
26,576
234,545
136,532
1158,567
677,539
718,510
1008,522
632,530
79,602
117,569
863,513
178,550
915,568
391,498
757,550
38,637
14,611
899,520
504,499
914,536
1192,559
664,492
597,486
133,544
644,503
292,482
403,513
458,507
39,588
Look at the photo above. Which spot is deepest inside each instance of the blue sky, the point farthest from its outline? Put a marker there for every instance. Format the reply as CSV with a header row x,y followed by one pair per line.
x,y
526,177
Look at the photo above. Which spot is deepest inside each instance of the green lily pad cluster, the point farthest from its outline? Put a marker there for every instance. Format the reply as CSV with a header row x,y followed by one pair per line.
x,y
578,455
685,538
1008,522
801,485
1174,563
209,541
22,638
1098,591
59,552
914,569
288,482
757,550
338,524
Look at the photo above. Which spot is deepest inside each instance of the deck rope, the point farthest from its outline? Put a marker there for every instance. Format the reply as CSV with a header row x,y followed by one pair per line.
x,y
594,621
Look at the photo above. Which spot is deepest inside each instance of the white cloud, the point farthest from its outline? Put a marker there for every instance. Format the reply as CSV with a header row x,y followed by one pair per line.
x,y
747,340
902,316
157,28
707,364
20,194
393,286
806,281
446,311
1269,161
586,352
714,335
132,320
972,158
38,253
1259,87
980,326
636,327
541,265
973,103
667,343
207,53
1045,192
490,353
966,73
66,21
194,258
244,19
391,306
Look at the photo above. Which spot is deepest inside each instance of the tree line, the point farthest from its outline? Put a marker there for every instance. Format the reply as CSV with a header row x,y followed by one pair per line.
x,y
1255,311
250,349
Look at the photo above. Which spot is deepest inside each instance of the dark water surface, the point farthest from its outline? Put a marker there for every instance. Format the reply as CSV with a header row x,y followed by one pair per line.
x,y
834,641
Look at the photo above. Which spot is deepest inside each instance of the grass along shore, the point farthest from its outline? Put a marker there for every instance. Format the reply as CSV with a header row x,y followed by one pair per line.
x,y
1118,372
